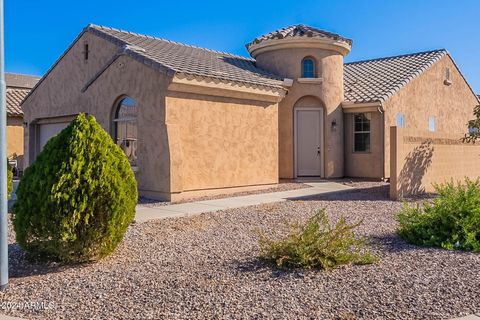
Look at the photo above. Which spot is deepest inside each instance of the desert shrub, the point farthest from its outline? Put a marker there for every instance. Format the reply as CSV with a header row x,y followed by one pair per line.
x,y
9,182
450,221
75,202
317,244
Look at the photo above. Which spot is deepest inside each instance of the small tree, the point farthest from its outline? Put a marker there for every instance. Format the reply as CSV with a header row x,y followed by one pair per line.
x,y
9,181
473,127
75,202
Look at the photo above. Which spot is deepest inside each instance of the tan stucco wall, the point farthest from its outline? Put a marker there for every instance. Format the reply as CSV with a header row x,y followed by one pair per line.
x,y
205,143
60,95
426,96
364,164
221,142
328,95
15,139
420,158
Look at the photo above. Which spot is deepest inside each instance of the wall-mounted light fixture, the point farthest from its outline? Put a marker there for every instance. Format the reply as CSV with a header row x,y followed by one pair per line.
x,y
334,124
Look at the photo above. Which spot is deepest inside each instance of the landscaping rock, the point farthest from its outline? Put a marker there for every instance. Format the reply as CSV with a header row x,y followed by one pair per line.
x,y
206,267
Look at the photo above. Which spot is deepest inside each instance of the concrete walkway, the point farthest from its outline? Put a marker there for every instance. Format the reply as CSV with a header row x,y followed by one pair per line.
x,y
193,208
469,317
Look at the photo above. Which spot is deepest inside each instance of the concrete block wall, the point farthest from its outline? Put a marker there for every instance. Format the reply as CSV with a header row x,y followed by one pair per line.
x,y
419,159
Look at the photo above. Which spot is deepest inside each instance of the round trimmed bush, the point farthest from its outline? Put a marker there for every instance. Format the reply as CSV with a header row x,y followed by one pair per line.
x,y
75,202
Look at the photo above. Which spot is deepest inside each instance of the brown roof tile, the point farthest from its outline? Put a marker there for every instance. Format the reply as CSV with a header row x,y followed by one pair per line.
x,y
18,87
15,80
173,57
299,30
14,98
379,79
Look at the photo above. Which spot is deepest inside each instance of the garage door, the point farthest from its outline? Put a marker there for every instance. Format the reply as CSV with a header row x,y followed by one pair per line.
x,y
47,131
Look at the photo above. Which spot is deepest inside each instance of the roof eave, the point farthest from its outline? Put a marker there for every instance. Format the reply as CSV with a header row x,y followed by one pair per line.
x,y
363,106
339,46
186,82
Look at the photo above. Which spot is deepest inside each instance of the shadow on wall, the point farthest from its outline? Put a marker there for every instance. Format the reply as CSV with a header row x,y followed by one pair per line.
x,y
414,169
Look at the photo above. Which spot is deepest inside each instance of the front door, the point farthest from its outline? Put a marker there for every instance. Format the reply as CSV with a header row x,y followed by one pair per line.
x,y
308,142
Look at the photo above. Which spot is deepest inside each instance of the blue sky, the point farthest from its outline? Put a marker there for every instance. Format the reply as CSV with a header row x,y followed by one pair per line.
x,y
37,32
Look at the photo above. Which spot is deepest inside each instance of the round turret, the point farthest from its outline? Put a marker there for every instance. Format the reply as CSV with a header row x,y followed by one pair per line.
x,y
313,59
284,51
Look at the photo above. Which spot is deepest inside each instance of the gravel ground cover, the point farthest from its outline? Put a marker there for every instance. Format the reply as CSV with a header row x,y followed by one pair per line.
x,y
206,267
285,185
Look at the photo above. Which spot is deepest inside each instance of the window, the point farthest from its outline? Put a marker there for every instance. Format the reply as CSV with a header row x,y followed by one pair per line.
x,y
361,132
432,124
125,126
308,68
400,120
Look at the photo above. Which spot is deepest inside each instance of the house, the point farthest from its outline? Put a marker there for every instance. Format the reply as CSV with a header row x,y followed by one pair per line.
x,y
18,86
194,121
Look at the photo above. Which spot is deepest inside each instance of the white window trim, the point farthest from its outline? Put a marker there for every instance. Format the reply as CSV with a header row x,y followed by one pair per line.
x,y
354,132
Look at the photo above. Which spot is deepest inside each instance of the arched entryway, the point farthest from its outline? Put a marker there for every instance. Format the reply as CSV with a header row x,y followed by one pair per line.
x,y
309,151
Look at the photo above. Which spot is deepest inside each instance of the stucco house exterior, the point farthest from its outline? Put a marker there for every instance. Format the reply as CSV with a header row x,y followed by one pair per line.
x,y
18,86
194,121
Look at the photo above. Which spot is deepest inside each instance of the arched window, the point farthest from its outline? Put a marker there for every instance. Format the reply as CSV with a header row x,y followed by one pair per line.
x,y
125,126
308,68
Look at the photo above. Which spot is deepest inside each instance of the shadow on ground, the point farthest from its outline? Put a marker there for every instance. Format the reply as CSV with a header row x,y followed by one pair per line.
x,y
19,265
258,265
359,194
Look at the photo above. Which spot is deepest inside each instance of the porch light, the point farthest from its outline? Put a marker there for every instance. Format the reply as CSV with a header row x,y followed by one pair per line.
x,y
334,124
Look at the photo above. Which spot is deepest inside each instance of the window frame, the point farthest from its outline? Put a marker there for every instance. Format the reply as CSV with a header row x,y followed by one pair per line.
x,y
354,132
314,68
116,121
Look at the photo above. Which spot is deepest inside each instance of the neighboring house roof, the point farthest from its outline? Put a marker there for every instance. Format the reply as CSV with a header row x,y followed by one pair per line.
x,y
175,57
378,79
18,87
299,30
14,99
15,80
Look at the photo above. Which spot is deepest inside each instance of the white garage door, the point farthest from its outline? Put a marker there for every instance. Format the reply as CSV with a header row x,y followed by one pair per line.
x,y
47,131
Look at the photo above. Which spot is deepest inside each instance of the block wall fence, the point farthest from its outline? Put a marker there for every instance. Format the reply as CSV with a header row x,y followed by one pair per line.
x,y
419,159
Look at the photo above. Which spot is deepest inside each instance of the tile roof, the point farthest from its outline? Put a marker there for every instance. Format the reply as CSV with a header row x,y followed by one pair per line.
x,y
173,57
379,79
299,30
14,99
18,87
15,80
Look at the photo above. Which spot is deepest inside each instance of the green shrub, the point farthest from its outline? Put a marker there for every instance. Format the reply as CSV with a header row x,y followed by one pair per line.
x,y
317,244
77,199
451,221
9,182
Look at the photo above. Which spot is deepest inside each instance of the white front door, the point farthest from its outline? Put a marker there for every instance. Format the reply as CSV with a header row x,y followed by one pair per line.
x,y
308,142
